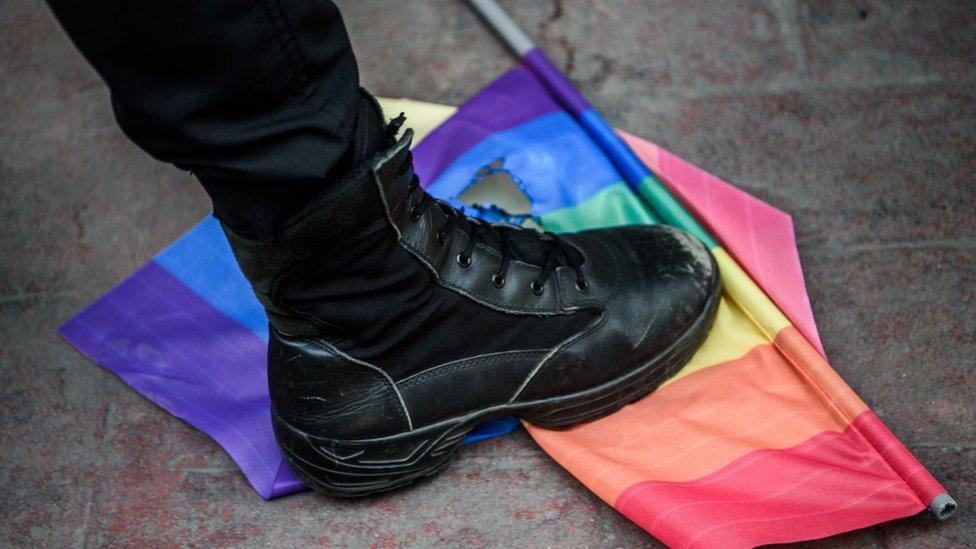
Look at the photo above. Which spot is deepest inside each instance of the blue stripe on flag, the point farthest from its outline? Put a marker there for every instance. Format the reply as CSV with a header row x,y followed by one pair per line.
x,y
550,157
202,260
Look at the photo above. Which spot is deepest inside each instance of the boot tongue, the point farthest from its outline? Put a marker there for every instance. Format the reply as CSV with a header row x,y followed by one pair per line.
x,y
524,245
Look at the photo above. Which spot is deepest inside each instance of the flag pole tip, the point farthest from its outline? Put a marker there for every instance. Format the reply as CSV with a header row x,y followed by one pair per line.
x,y
943,506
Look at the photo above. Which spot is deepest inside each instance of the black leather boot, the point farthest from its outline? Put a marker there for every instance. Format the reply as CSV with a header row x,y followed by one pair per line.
x,y
397,324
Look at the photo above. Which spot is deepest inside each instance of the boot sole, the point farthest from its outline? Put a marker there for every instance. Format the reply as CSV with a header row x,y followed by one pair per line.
x,y
353,468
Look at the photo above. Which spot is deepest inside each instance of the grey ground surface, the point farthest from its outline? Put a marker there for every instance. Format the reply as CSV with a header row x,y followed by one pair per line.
x,y
858,117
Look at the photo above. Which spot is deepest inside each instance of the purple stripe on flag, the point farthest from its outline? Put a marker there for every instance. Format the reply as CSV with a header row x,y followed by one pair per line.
x,y
184,355
509,101
555,82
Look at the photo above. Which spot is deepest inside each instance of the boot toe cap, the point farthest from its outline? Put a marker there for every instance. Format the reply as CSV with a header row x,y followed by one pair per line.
x,y
668,280
656,286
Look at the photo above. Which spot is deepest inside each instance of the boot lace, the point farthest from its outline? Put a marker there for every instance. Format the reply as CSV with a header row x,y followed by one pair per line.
x,y
558,252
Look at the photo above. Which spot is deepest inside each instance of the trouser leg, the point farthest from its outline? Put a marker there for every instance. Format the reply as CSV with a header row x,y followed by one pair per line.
x,y
258,99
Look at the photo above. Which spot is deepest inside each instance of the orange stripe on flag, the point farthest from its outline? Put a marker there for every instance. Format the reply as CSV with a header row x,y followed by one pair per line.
x,y
696,425
837,394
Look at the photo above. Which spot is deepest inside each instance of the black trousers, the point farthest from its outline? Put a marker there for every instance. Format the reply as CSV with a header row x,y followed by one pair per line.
x,y
258,98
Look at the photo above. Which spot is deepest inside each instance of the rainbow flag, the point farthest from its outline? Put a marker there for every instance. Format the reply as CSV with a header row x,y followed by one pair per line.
x,y
757,440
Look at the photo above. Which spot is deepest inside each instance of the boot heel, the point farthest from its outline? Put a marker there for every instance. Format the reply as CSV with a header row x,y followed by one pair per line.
x,y
351,468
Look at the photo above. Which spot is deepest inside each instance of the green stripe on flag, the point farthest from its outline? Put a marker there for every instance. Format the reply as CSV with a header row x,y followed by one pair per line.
x,y
671,212
612,206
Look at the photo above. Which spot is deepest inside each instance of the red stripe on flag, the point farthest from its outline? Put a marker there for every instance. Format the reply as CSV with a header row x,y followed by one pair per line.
x,y
831,483
898,456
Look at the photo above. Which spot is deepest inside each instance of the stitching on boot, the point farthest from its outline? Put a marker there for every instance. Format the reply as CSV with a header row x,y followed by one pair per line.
x,y
403,405
465,363
562,345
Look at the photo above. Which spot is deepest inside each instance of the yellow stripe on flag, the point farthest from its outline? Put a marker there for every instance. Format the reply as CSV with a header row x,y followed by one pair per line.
x,y
423,117
740,287
732,336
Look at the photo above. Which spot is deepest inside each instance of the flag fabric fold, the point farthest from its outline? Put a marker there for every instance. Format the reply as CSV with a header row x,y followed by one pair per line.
x,y
692,462
757,440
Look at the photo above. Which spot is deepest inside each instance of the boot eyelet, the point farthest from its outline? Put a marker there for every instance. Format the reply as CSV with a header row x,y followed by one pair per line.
x,y
497,280
463,260
441,238
582,285
414,214
536,287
